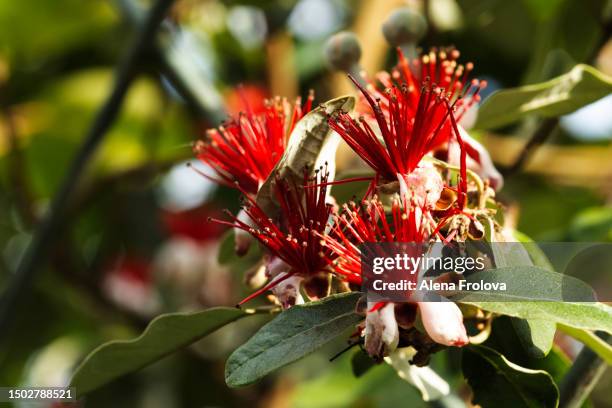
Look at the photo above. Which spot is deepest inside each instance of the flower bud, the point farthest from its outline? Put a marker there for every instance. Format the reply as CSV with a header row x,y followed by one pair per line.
x,y
343,51
404,26
443,322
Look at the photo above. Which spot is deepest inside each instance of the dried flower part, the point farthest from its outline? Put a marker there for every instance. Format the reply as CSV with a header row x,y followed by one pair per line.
x,y
287,292
246,148
476,230
405,314
317,286
381,331
447,198
443,322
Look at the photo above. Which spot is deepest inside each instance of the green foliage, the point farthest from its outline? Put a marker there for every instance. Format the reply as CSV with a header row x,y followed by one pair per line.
x,y
591,340
292,335
592,224
588,316
29,27
164,335
337,387
497,382
505,338
559,96
534,293
535,335
528,283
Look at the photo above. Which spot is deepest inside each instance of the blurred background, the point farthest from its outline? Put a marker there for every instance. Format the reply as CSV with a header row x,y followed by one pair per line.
x,y
135,243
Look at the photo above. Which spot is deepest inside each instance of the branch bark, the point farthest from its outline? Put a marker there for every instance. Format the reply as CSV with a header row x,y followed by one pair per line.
x,y
582,377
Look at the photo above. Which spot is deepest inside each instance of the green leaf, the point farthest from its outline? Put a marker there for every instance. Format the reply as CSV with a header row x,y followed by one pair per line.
x,y
527,283
497,382
559,96
590,339
164,335
592,225
505,339
292,335
588,316
538,257
533,293
226,249
304,149
535,335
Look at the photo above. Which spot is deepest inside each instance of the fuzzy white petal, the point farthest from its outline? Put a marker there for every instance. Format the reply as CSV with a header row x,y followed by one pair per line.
x,y
443,322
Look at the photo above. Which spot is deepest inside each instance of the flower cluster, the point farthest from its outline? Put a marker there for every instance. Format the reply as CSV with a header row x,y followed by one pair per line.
x,y
409,131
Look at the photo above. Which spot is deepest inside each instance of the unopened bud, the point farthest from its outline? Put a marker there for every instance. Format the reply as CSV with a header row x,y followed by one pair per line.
x,y
343,51
404,26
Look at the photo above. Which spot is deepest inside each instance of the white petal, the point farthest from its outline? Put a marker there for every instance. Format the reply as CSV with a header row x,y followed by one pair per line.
x,y
381,331
486,169
424,185
443,322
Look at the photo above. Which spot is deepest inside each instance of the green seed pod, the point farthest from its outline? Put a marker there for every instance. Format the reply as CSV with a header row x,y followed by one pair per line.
x,y
404,26
343,51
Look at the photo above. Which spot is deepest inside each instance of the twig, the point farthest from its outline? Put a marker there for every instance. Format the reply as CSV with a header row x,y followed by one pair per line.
x,y
582,377
540,135
52,222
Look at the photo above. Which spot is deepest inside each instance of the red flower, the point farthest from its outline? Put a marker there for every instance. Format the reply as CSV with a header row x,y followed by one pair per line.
x,y
369,224
246,149
294,239
439,67
409,129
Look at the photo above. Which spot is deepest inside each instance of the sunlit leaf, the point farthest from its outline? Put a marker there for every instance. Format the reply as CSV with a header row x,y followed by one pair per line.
x,y
559,96
590,339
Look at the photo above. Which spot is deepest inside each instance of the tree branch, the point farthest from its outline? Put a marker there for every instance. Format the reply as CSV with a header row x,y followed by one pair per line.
x,y
540,135
582,377
52,222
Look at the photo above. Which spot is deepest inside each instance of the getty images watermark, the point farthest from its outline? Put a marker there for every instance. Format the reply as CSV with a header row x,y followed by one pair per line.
x,y
481,271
